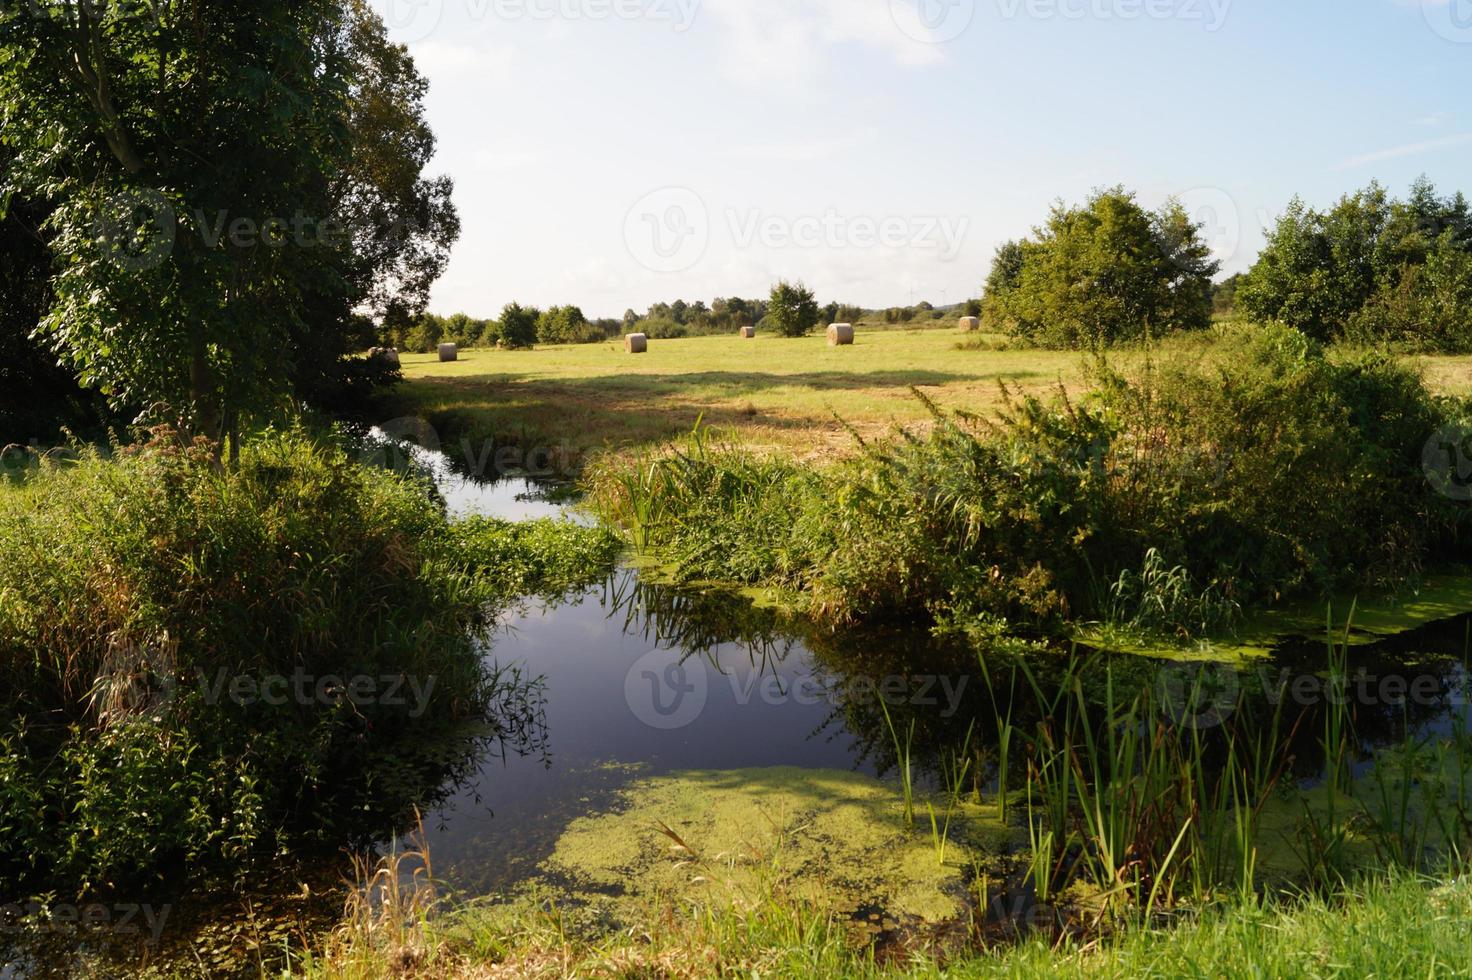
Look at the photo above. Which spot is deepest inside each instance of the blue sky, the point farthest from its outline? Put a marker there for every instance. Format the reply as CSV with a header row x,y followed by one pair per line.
x,y
612,153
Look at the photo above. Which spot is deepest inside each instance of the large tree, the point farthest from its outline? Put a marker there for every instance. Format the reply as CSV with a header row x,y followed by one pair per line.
x,y
1105,272
1370,268
228,185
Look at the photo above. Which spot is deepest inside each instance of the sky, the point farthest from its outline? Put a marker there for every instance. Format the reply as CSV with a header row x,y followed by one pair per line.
x,y
617,153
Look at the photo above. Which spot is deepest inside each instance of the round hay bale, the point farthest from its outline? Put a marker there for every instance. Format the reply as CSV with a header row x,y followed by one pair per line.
x,y
840,335
748,333
388,355
636,343
449,352
970,324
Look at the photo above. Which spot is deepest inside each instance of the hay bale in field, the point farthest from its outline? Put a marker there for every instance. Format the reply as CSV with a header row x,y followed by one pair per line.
x,y
840,335
388,355
449,352
636,343
748,333
970,324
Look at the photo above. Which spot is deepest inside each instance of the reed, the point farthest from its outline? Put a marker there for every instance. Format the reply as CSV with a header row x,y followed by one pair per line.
x,y
902,754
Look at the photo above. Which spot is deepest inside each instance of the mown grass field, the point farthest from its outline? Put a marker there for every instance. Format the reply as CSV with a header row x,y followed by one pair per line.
x,y
784,394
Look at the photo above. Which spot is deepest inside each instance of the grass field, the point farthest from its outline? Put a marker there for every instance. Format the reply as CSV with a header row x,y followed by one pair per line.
x,y
770,392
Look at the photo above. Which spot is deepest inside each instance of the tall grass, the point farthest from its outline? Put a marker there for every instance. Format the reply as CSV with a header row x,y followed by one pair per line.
x,y
156,613
1167,503
1129,798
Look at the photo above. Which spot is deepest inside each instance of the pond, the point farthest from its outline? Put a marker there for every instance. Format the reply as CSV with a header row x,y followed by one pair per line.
x,y
635,680
642,680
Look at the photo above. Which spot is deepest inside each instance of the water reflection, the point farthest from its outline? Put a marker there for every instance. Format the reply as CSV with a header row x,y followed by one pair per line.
x,y
647,679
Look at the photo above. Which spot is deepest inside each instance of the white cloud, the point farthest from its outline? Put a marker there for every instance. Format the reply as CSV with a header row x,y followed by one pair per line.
x,y
1408,150
785,41
1432,120
447,60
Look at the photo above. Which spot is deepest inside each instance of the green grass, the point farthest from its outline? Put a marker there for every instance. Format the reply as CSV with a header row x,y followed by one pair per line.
x,y
1390,927
771,392
139,587
774,392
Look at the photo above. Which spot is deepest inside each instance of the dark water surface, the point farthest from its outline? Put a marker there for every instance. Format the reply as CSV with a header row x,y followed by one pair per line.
x,y
637,679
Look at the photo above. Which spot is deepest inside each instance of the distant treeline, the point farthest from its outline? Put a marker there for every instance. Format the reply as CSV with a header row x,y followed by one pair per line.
x,y
1372,269
521,326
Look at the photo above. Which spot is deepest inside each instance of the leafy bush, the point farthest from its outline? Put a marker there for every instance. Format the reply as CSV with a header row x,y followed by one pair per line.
x,y
1107,272
1271,468
1370,269
137,593
561,325
662,329
792,311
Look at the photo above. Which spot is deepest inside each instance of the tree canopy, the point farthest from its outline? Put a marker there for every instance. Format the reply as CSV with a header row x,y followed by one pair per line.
x,y
1105,272
229,188
1371,268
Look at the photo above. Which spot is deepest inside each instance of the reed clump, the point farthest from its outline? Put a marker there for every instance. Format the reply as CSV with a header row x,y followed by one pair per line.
x,y
1165,503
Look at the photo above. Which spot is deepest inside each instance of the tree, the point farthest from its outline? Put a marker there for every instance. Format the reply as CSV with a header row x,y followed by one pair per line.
x,y
1370,268
518,326
398,225
227,186
561,325
1105,272
1224,295
792,309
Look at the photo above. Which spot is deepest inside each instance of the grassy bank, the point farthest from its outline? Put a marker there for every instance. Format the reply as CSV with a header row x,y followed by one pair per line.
x,y
204,667
1392,926
770,393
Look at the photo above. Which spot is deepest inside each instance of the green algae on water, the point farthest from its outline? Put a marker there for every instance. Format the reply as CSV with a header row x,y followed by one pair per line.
x,y
727,838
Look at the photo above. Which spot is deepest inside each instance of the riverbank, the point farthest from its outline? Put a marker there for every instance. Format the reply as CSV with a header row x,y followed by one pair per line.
x,y
1387,927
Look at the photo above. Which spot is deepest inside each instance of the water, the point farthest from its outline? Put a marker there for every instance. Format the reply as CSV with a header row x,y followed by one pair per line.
x,y
640,680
